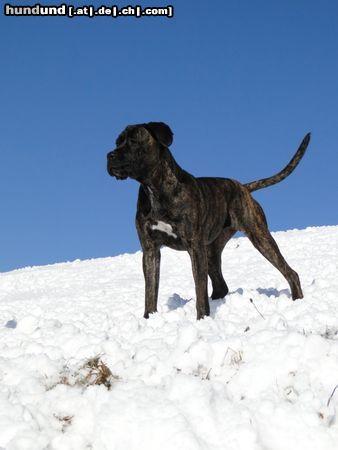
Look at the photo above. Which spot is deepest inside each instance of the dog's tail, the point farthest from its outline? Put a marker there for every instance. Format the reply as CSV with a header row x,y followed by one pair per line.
x,y
265,182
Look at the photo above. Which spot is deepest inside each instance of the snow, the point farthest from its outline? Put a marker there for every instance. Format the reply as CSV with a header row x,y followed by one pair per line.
x,y
257,374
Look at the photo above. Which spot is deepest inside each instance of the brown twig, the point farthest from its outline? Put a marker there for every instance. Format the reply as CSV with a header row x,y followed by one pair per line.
x,y
334,390
257,309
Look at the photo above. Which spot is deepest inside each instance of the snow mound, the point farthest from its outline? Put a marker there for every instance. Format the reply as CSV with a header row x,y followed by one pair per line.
x,y
81,369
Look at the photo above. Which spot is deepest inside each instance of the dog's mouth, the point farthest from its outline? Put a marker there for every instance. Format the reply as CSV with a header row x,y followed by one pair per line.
x,y
120,176
120,173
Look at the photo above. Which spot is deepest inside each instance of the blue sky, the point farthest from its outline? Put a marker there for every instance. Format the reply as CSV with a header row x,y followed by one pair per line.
x,y
239,82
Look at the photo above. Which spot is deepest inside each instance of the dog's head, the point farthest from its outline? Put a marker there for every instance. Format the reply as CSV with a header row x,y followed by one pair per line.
x,y
138,149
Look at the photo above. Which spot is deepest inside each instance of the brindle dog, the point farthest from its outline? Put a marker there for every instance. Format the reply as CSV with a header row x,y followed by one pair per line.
x,y
199,215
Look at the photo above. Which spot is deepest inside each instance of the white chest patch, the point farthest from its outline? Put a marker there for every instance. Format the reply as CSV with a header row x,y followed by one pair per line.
x,y
165,228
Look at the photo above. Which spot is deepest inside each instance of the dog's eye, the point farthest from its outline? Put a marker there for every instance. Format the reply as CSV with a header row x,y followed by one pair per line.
x,y
120,140
132,142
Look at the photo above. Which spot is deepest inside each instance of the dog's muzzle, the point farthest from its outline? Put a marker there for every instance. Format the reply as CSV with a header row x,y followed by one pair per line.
x,y
115,167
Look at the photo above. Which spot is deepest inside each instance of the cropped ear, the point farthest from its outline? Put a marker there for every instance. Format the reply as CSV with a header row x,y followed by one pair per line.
x,y
161,132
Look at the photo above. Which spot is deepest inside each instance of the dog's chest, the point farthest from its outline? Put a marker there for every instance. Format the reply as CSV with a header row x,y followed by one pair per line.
x,y
164,233
164,227
156,202
159,219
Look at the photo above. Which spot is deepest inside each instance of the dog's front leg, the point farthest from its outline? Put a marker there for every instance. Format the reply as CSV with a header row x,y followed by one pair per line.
x,y
151,271
199,263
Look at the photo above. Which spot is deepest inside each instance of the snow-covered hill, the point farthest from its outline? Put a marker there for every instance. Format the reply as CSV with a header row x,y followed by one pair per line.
x,y
81,369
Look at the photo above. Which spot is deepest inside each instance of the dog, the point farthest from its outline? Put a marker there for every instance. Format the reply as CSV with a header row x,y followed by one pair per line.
x,y
198,215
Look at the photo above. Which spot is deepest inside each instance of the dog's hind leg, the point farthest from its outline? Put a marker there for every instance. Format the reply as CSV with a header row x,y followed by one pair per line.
x,y
256,229
219,286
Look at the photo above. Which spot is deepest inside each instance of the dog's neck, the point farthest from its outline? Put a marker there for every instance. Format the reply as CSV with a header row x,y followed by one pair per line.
x,y
155,182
